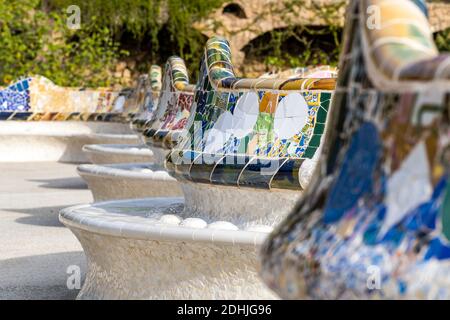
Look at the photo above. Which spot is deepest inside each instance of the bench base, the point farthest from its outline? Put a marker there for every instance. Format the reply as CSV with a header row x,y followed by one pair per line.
x,y
118,153
57,141
144,249
128,181
239,205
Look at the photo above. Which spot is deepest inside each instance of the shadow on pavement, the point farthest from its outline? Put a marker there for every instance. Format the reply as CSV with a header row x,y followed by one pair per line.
x,y
62,183
43,216
41,277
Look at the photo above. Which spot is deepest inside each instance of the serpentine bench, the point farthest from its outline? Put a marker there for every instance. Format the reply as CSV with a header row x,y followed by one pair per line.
x,y
205,247
375,220
147,91
145,178
255,140
43,122
36,98
145,249
175,104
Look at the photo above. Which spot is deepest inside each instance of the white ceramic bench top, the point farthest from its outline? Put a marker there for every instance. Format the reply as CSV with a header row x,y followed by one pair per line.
x,y
157,219
56,140
69,128
129,149
126,170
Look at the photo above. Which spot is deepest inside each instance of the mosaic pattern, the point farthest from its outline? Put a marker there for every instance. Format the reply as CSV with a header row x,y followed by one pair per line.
x,y
156,78
37,98
16,97
375,222
145,98
175,100
250,132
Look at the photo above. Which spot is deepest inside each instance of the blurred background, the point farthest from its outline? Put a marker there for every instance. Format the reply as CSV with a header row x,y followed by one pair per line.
x,y
99,43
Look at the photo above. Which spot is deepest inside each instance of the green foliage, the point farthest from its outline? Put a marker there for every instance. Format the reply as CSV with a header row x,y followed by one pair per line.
x,y
442,39
34,38
145,20
33,41
189,43
295,45
138,17
301,45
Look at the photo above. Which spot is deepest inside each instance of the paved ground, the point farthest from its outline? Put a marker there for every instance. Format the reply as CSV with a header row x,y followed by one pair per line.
x,y
36,250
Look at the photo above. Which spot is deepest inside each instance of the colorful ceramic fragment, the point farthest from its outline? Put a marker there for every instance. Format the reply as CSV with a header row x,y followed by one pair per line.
x,y
37,98
374,222
145,98
174,105
250,132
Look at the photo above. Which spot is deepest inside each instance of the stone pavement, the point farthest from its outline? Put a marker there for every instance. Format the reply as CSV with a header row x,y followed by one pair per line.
x,y
36,250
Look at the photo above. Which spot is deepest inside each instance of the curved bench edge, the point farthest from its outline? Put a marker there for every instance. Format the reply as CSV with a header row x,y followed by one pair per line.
x,y
157,230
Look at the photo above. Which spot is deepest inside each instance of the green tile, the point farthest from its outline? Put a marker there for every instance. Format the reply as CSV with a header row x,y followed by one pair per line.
x,y
319,128
309,152
315,140
321,116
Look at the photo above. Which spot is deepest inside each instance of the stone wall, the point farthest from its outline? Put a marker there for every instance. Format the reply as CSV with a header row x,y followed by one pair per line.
x,y
439,15
243,20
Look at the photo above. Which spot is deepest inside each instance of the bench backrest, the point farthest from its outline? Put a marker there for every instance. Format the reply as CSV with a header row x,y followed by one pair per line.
x,y
381,197
243,126
144,98
37,98
174,105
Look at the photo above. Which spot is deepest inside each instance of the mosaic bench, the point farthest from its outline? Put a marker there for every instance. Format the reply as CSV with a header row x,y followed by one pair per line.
x,y
375,220
146,97
255,140
43,122
133,243
175,102
36,98
145,249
